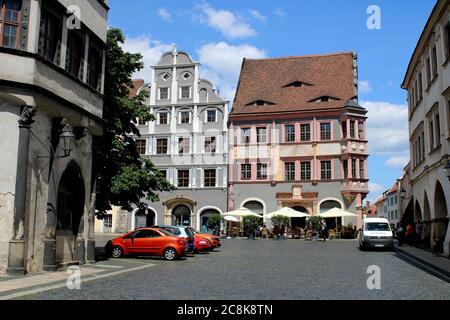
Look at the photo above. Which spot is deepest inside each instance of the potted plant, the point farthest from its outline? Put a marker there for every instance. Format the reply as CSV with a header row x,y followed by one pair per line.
x,y
251,224
214,223
314,224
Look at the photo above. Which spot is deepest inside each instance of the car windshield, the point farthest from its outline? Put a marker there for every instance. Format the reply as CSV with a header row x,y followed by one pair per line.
x,y
377,226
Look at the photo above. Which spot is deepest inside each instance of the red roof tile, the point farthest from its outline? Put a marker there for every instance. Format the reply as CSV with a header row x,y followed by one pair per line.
x,y
137,84
267,79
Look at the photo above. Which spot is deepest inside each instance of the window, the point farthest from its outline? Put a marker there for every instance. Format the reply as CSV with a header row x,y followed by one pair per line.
x,y
183,145
141,146
261,171
305,132
431,134
95,65
161,146
163,118
246,171
185,117
362,173
305,170
437,122
261,135
420,88
447,40
210,178
141,122
325,170
245,135
354,168
210,144
9,23
211,116
289,133
163,173
428,67
361,130
50,36
345,164
423,145
107,221
352,129
289,171
185,92
183,178
75,53
325,131
163,93
434,61
344,129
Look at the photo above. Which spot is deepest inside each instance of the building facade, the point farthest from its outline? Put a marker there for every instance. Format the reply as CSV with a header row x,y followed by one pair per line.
x,y
428,84
298,136
51,108
390,207
188,142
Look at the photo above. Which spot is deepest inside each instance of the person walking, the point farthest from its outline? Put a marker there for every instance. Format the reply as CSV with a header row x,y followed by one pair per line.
x,y
324,230
409,234
399,233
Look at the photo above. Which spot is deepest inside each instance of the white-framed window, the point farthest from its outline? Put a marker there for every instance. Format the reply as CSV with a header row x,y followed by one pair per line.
x,y
211,115
261,135
183,178
163,117
210,145
246,171
184,117
184,145
185,92
245,135
209,178
164,93
162,145
261,171
141,146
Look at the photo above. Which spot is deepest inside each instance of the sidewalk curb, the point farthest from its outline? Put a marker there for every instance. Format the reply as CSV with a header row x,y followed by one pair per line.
x,y
64,285
424,265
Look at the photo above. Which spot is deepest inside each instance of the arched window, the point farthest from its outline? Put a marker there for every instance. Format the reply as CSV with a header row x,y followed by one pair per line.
x,y
255,206
181,216
328,205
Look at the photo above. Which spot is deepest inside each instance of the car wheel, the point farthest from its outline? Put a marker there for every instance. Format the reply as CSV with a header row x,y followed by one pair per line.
x,y
170,254
117,252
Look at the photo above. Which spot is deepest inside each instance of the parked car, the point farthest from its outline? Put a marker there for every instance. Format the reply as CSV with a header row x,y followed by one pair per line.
x,y
376,232
201,244
214,240
147,241
183,232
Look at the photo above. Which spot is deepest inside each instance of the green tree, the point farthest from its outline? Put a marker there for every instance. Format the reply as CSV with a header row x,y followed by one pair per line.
x,y
280,220
124,178
214,222
315,223
251,223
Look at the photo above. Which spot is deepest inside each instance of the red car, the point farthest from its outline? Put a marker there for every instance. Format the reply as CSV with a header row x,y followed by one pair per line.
x,y
147,241
213,240
201,244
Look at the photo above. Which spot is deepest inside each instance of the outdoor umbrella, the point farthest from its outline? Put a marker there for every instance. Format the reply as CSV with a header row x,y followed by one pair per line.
x,y
242,212
231,218
287,212
337,213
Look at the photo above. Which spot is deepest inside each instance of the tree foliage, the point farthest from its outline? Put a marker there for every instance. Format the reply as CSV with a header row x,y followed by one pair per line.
x,y
281,221
315,223
124,178
251,223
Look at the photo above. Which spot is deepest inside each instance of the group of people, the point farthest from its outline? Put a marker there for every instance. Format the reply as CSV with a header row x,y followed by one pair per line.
x,y
279,232
411,234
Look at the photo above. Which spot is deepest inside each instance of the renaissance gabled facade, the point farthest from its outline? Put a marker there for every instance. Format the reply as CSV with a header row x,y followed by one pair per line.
x,y
187,142
298,136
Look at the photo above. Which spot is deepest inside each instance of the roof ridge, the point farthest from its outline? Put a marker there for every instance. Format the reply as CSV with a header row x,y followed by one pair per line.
x,y
302,56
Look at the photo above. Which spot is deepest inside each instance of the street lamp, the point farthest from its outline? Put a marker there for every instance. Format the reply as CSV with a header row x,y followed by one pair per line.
x,y
447,169
68,138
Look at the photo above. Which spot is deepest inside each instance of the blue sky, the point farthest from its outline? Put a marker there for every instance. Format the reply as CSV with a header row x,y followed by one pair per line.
x,y
220,33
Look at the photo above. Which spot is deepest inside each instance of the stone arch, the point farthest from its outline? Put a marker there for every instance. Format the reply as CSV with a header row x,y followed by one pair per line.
x,y
173,203
205,211
426,218
330,203
255,204
440,221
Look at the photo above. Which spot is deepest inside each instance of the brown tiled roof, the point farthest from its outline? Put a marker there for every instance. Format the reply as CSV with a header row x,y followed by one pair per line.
x,y
137,84
266,79
394,188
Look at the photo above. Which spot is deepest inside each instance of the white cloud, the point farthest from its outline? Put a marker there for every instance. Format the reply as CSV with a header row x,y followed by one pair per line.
x,y
222,64
398,162
258,15
387,128
376,188
231,25
365,87
165,15
151,51
279,12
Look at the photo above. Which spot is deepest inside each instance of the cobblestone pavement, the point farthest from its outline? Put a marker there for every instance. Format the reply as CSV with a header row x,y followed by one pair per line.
x,y
268,269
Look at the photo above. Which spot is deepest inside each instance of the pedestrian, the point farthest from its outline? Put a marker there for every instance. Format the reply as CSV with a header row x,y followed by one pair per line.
x,y
399,233
324,230
282,232
419,227
409,234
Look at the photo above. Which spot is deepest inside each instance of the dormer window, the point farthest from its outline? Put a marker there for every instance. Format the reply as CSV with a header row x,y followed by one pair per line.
x,y
325,99
297,84
260,103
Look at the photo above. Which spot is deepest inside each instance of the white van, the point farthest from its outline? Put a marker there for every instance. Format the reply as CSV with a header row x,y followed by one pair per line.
x,y
376,232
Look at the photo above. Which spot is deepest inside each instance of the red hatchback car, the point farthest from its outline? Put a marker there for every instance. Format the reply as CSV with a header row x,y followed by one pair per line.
x,y
147,241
